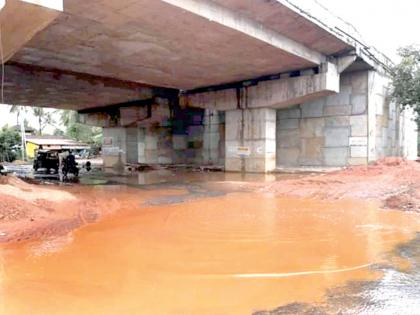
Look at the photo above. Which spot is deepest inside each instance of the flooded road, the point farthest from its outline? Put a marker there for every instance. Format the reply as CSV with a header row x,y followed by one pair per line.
x,y
216,253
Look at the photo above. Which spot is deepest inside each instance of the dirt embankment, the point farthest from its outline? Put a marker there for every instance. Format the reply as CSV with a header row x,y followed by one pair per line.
x,y
30,211
393,181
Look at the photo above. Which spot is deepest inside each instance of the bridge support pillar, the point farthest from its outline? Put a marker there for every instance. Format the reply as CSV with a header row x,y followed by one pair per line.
x,y
251,140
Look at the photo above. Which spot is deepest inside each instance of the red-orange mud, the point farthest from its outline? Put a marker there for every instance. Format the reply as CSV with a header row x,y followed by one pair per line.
x,y
30,212
278,243
393,181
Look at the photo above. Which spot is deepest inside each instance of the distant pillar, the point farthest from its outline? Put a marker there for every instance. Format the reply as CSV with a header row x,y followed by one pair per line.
x,y
251,140
211,137
114,147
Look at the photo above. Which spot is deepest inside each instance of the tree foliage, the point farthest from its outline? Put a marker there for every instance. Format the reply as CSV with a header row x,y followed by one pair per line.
x,y
44,118
10,142
18,110
80,132
406,79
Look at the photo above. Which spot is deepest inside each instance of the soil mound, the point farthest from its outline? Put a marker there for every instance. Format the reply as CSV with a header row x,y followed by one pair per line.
x,y
394,181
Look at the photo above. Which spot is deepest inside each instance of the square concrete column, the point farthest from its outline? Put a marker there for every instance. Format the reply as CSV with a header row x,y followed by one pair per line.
x,y
114,147
211,137
251,140
155,145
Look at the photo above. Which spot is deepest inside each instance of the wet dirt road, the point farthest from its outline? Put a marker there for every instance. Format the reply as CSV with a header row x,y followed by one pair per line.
x,y
201,250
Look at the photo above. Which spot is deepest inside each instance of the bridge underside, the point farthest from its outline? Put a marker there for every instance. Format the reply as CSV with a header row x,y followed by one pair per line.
x,y
129,46
197,81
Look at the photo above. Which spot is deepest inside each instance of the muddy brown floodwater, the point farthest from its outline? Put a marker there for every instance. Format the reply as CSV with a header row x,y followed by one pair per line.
x,y
214,244
235,254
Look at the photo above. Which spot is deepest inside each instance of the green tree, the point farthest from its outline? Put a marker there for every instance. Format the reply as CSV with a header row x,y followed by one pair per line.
x,y
58,132
406,79
80,132
18,110
44,118
10,142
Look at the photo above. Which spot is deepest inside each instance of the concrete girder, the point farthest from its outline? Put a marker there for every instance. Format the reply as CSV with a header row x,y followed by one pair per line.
x,y
344,62
270,94
30,85
21,20
219,14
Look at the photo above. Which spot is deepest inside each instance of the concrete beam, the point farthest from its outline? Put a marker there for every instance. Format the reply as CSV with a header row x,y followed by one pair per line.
x,y
37,86
271,94
231,19
344,62
21,20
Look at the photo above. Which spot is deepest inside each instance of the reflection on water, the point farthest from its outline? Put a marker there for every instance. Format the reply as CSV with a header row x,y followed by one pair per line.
x,y
396,292
177,176
236,254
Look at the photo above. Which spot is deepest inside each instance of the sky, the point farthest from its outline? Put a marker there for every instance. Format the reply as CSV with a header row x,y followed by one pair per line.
x,y
384,24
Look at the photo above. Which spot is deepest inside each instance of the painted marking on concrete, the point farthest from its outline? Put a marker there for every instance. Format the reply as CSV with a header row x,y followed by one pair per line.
x,y
243,151
359,141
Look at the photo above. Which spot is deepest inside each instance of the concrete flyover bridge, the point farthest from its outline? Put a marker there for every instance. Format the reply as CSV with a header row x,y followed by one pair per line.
x,y
249,84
